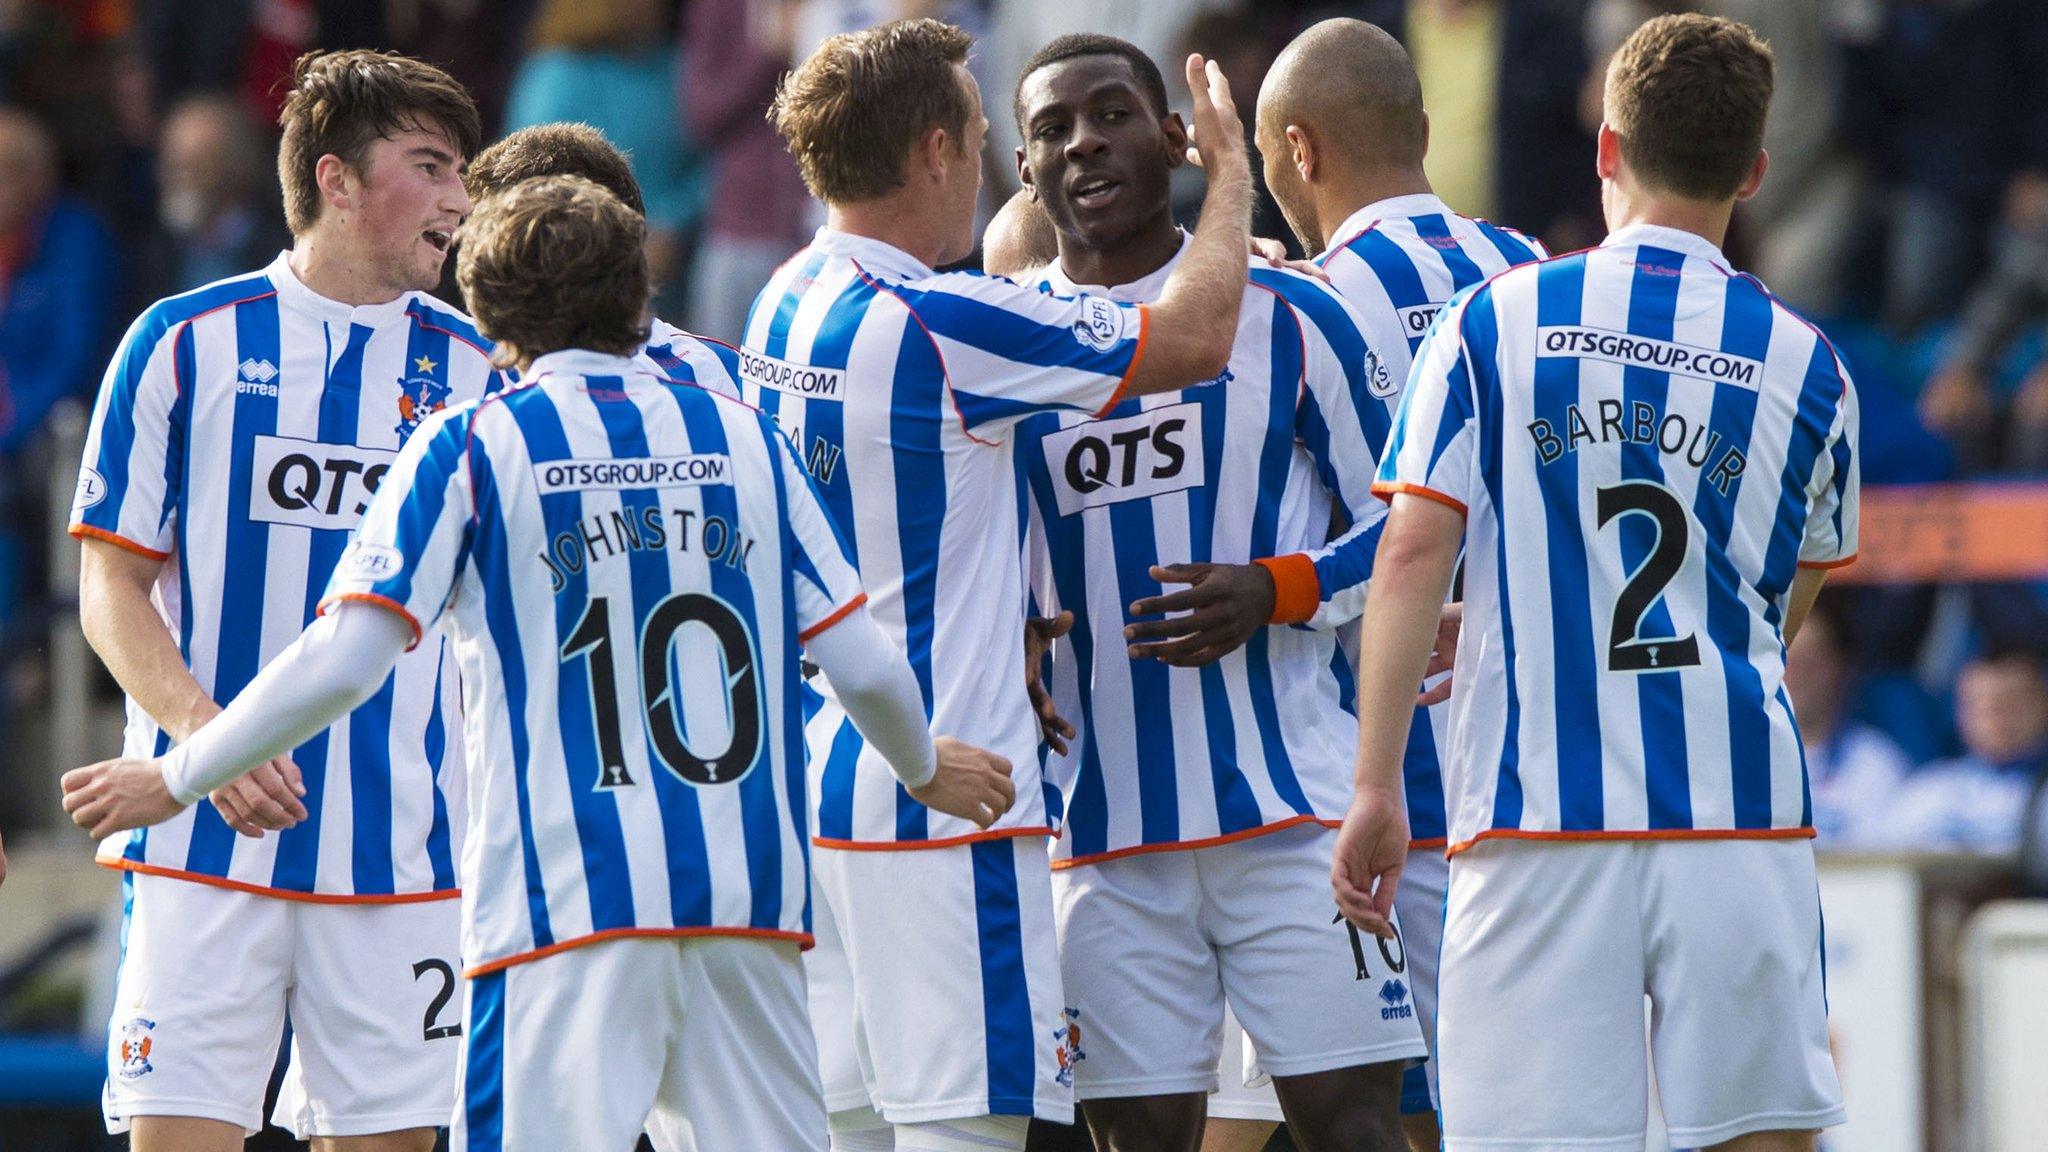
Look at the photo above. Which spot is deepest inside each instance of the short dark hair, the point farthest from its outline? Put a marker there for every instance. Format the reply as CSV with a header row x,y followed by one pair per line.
x,y
564,149
1078,44
853,110
1688,95
342,101
553,263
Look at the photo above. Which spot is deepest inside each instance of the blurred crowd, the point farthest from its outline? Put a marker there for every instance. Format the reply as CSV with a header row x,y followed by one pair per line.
x,y
1906,206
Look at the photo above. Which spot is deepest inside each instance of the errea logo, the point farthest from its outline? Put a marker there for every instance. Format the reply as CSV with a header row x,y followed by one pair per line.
x,y
256,376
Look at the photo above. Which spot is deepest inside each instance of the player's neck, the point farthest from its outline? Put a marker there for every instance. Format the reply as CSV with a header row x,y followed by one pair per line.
x,y
324,262
1339,200
894,221
1137,256
1705,218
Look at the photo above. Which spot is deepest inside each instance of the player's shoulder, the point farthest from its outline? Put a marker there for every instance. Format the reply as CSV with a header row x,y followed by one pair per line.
x,y
1316,302
160,318
709,363
436,315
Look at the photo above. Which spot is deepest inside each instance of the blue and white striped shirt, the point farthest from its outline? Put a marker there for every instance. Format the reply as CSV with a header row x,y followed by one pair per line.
x,y
1652,445
901,389
687,358
1397,261
241,430
626,569
1249,466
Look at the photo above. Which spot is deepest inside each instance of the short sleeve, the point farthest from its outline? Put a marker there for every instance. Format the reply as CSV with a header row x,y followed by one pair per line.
x,y
1430,452
1834,496
128,481
826,586
1010,351
680,356
410,549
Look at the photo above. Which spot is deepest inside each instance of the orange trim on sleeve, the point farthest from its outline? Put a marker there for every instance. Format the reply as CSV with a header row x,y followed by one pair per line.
x,y
1829,565
384,602
838,614
1648,834
1387,491
922,845
125,865
1137,358
803,940
1297,592
88,532
1189,845
1427,844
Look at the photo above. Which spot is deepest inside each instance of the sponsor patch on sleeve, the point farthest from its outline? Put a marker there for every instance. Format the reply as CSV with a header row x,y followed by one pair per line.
x,y
373,562
1101,325
92,488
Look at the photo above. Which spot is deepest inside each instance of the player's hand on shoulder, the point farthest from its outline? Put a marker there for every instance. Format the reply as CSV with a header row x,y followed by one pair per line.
x,y
1372,848
971,783
1443,656
266,799
1274,253
1039,634
1220,609
116,795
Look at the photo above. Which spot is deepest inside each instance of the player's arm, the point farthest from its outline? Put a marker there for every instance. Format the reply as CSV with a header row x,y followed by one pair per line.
x,y
1417,555
335,665
1831,535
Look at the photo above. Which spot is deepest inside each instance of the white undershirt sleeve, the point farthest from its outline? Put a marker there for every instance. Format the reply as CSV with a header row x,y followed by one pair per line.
x,y
335,664
873,682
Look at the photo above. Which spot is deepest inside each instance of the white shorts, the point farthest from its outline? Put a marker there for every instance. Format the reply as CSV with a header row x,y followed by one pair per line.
x,y
703,1042
209,974
1153,945
1243,1089
1548,950
1420,903
935,985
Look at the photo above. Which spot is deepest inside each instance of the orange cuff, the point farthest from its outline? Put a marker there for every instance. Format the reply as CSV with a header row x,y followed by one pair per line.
x,y
1296,591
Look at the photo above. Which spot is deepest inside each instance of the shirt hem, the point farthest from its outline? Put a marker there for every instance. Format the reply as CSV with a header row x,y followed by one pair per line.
x,y
126,865
803,940
1825,565
1387,491
1805,833
921,845
838,614
88,531
1191,845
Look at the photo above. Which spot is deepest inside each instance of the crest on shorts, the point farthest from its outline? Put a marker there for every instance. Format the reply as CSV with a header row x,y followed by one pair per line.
x,y
418,398
1394,1000
1067,1045
135,1047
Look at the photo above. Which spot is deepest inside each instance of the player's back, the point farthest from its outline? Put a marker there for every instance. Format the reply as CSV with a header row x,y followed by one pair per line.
x,y
1651,445
627,622
900,389
1397,261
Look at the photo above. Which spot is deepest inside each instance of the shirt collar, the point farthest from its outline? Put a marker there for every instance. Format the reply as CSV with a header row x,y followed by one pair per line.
x,y
877,256
1392,208
293,292
1143,290
1658,236
581,362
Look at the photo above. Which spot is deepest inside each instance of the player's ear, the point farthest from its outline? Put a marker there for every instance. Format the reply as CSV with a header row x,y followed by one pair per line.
x,y
1175,130
1024,174
1755,179
1607,152
330,175
933,153
1301,150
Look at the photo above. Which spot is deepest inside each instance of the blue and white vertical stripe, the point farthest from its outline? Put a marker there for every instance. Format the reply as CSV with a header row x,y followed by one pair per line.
x,y
901,389
626,569
1652,445
1397,261
241,430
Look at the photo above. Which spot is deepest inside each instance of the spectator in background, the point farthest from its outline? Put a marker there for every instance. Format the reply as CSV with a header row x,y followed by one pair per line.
x,y
1960,401
57,284
734,51
1500,79
1853,768
1977,802
216,201
609,64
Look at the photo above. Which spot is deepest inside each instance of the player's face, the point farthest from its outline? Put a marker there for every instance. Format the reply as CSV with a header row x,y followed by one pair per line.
x,y
1284,181
1100,156
963,180
408,202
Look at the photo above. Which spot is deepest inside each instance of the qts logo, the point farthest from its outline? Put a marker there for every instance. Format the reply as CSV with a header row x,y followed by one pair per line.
x,y
1136,457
